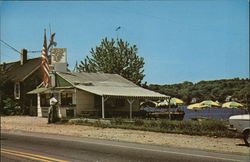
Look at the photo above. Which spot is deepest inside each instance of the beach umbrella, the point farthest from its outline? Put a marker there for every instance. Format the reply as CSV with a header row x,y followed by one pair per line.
x,y
173,101
196,106
209,103
163,104
176,101
148,104
232,104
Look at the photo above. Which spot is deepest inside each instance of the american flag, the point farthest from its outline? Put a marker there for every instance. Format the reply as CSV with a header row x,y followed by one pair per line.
x,y
44,65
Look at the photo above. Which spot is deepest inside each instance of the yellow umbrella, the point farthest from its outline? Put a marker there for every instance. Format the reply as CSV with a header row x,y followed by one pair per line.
x,y
173,101
148,104
176,101
196,106
210,103
232,104
162,104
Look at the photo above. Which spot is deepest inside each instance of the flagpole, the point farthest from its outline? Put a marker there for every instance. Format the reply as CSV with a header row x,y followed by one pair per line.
x,y
45,63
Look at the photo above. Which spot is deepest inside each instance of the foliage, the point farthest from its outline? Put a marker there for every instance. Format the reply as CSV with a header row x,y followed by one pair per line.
x,y
11,107
219,90
8,106
4,83
115,57
6,88
210,127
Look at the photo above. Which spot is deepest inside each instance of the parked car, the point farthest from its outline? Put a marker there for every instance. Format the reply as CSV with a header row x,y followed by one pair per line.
x,y
241,123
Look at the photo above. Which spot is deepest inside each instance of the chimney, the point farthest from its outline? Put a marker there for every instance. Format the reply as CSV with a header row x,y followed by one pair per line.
x,y
23,56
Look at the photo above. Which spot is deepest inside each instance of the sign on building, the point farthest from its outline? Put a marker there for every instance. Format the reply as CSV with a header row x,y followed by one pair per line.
x,y
59,55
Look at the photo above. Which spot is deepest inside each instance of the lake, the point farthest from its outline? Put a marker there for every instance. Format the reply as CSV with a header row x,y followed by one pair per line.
x,y
213,112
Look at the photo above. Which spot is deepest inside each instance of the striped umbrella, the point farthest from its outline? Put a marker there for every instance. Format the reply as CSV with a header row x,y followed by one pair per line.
x,y
176,101
173,101
148,104
196,106
232,104
210,103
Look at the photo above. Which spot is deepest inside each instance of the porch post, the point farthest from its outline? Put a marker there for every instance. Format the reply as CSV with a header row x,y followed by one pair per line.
x,y
59,107
169,106
130,101
39,109
103,107
103,102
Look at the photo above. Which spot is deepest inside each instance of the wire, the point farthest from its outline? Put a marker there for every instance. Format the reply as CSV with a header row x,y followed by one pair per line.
x,y
11,47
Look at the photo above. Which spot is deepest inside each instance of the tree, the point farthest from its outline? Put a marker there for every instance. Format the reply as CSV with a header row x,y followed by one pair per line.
x,y
7,105
115,57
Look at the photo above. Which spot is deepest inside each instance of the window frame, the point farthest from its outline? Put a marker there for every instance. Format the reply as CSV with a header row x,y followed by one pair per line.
x,y
17,90
66,99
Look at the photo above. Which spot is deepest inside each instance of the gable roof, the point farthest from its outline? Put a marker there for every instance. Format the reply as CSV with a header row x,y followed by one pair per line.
x,y
103,84
17,72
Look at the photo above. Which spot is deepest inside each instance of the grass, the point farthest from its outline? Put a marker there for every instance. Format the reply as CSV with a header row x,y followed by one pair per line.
x,y
210,127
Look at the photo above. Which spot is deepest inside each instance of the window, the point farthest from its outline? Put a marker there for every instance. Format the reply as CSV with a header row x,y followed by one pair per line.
x,y
66,99
17,90
44,100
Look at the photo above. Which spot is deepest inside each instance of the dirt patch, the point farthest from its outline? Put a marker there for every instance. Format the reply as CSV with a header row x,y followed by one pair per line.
x,y
36,124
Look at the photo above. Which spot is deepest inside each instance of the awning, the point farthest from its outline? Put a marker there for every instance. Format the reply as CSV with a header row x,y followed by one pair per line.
x,y
38,90
50,90
123,92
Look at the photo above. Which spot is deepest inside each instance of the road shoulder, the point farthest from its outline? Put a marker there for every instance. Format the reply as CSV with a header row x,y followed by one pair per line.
x,y
39,125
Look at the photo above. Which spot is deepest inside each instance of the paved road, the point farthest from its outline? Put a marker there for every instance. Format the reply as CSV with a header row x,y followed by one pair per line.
x,y
25,146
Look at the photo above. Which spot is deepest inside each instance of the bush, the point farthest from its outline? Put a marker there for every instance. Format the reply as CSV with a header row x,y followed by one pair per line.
x,y
206,127
151,124
11,107
117,121
139,122
78,121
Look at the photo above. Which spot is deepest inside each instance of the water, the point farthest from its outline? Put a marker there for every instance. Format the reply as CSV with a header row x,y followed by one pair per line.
x,y
213,112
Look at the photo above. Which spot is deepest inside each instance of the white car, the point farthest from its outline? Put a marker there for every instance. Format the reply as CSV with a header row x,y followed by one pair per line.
x,y
241,123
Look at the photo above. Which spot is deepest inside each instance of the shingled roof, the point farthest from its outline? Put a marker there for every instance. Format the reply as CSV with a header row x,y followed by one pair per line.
x,y
108,85
17,72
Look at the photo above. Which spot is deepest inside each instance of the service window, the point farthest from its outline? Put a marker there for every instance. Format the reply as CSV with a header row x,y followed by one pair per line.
x,y
66,99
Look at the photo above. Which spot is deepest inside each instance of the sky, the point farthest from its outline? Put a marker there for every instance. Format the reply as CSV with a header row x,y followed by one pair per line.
x,y
183,40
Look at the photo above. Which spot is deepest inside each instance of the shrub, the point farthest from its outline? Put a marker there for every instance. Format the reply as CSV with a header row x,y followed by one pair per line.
x,y
11,107
207,127
151,124
78,121
139,122
117,121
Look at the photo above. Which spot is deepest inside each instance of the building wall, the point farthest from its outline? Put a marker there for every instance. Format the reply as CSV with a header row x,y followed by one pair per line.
x,y
85,101
29,102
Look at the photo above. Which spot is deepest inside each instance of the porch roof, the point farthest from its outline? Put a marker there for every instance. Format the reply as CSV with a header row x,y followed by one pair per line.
x,y
48,90
38,90
111,85
129,92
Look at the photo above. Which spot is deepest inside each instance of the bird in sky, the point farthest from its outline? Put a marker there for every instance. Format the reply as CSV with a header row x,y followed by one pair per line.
x,y
119,27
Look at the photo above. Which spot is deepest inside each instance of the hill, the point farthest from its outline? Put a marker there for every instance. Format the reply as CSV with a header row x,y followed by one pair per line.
x,y
221,90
